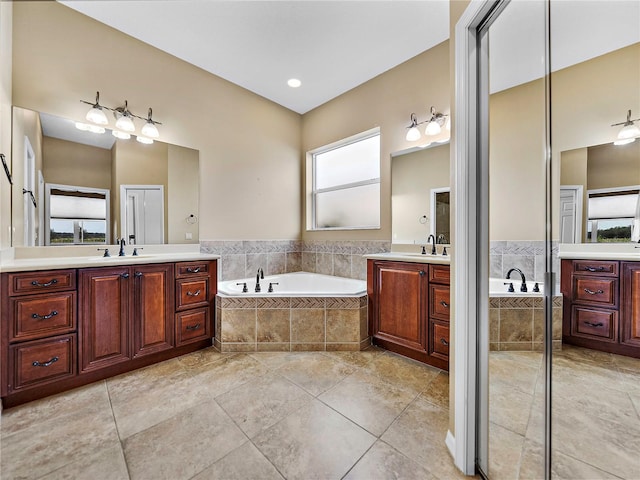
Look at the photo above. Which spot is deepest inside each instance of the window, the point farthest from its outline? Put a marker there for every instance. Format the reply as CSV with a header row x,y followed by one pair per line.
x,y
613,215
76,215
345,191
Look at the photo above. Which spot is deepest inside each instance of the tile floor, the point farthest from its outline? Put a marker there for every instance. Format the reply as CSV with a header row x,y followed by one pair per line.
x,y
326,415
595,415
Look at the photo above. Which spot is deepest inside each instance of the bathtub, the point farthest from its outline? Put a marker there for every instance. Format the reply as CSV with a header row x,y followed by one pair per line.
x,y
297,284
305,312
497,288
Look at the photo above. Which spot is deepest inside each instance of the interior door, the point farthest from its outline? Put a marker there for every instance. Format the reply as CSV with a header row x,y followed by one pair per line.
x,y
142,214
570,231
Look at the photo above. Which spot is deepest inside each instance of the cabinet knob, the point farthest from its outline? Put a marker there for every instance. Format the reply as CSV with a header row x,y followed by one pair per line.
x,y
422,273
124,275
138,274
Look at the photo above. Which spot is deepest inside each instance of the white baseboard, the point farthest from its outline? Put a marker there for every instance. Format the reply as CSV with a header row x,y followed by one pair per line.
x,y
450,442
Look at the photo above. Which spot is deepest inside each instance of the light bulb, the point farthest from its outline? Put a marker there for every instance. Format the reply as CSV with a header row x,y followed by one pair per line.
x,y
413,134
145,140
630,130
120,135
125,123
433,128
624,141
150,130
97,116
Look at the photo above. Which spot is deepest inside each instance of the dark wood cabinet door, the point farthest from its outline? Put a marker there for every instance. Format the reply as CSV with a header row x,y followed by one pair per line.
x,y
105,313
152,309
401,310
630,305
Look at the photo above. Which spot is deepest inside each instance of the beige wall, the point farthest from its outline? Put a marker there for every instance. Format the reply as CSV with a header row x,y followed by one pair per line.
x,y
249,147
387,102
610,166
412,177
6,14
516,163
182,171
70,163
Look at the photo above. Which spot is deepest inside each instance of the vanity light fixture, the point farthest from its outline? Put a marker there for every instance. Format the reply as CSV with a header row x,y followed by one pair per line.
x,y
121,135
124,119
86,127
96,115
149,129
629,131
145,140
434,125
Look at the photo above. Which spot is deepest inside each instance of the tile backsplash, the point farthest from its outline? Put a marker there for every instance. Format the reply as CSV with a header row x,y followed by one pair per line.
x,y
528,256
242,258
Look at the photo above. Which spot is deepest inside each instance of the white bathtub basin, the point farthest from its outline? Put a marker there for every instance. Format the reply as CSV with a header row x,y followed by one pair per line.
x,y
297,284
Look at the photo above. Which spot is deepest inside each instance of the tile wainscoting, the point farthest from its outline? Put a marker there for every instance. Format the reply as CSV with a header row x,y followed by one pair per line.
x,y
526,255
242,258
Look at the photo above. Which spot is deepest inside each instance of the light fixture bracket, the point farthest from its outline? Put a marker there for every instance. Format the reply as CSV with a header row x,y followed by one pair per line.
x,y
121,111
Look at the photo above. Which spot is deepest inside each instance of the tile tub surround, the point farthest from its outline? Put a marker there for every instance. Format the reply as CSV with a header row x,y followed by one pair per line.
x,y
242,258
283,324
527,255
517,323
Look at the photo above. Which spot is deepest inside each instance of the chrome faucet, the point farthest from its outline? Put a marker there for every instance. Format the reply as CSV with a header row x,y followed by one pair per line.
x,y
122,244
523,287
432,239
259,275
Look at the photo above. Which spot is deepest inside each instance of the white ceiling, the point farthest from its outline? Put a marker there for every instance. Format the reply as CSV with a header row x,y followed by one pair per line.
x,y
331,46
65,129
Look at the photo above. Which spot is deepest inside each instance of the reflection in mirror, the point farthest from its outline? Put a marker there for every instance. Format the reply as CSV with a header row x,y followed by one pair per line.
x,y
416,175
599,199
55,160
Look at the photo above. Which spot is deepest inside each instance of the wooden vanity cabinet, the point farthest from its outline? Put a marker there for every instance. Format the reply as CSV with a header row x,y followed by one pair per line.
x,y
61,329
601,305
403,314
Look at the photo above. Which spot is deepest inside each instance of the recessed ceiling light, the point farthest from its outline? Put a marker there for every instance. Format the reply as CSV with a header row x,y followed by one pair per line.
x,y
294,82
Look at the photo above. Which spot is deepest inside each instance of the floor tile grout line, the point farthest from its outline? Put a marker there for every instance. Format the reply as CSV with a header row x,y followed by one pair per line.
x,y
115,423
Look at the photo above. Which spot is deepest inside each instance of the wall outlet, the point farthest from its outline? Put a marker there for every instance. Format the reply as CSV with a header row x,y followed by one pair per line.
x,y
188,236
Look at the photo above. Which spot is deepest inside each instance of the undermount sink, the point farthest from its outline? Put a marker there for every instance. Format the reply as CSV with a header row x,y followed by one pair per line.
x,y
117,257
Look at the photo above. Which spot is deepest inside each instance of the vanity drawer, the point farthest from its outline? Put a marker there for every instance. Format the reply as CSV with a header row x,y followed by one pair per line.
x,y
42,315
439,274
440,336
192,325
439,306
42,361
191,269
41,282
594,323
595,290
192,293
596,267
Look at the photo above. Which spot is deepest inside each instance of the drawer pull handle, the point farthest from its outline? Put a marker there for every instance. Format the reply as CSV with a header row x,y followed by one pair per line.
x,y
124,275
193,270
193,294
45,317
36,283
45,364
444,342
599,324
444,304
591,292
194,327
594,269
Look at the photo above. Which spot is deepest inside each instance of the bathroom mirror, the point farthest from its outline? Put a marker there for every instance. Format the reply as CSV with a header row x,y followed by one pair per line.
x,y
599,180
51,151
420,194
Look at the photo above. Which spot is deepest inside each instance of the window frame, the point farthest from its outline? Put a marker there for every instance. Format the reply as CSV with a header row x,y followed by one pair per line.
x,y
600,192
314,191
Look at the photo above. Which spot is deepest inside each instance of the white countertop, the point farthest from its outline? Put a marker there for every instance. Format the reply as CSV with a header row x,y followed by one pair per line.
x,y
411,257
56,258
599,251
